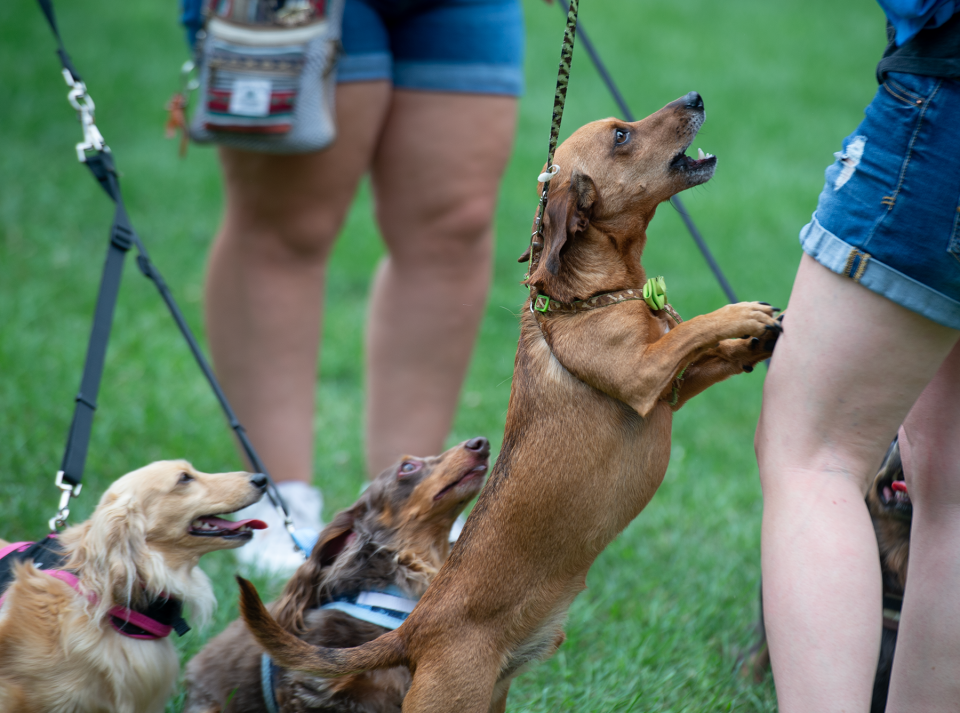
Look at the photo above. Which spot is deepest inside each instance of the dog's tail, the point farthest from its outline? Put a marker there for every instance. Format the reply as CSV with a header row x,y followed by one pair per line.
x,y
290,652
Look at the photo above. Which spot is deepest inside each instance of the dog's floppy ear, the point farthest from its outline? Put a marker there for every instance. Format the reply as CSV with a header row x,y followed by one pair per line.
x,y
569,213
113,541
303,590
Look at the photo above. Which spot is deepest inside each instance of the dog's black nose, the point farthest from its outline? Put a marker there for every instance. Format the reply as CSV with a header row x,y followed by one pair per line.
x,y
693,100
259,480
481,446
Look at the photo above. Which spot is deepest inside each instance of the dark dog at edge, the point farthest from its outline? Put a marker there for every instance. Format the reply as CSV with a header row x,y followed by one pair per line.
x,y
587,437
891,512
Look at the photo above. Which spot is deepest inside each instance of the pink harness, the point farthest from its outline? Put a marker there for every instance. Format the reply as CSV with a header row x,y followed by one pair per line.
x,y
153,628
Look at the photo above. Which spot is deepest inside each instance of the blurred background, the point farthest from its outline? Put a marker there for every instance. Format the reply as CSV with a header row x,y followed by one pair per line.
x,y
671,602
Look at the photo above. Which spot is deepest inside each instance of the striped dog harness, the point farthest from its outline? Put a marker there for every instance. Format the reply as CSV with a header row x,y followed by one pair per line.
x,y
388,608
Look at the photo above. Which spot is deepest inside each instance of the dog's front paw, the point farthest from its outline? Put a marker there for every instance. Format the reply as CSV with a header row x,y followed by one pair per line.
x,y
748,350
751,321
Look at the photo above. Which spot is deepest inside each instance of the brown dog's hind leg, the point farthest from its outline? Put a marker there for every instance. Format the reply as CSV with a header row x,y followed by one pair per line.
x,y
453,681
499,702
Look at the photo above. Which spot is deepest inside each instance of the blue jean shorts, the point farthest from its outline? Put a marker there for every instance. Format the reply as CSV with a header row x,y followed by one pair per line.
x,y
473,46
889,213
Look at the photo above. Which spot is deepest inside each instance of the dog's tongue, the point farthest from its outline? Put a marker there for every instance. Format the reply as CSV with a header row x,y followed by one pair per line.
x,y
221,524
899,485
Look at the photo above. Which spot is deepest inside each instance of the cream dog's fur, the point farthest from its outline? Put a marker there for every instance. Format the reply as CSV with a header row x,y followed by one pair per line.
x,y
58,653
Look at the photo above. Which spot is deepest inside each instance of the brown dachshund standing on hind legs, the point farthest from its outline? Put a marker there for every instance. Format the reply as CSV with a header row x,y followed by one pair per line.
x,y
587,441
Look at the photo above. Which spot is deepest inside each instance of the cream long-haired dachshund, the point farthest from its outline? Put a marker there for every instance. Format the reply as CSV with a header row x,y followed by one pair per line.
x,y
89,633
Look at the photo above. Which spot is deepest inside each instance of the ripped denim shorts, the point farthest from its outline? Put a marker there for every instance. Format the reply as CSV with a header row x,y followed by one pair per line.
x,y
889,213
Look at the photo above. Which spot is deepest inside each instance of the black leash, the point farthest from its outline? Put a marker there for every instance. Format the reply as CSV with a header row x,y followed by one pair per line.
x,y
96,155
675,201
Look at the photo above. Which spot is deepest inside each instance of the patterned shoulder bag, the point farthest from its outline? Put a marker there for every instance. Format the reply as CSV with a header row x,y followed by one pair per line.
x,y
267,74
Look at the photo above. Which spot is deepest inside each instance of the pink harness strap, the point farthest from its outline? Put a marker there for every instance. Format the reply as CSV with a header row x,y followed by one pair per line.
x,y
156,629
15,547
61,574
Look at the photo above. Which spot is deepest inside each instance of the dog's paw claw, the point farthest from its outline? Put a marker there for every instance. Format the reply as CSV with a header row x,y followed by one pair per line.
x,y
747,368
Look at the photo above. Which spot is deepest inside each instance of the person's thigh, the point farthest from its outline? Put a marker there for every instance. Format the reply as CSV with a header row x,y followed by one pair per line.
x,y
298,201
846,371
438,166
457,70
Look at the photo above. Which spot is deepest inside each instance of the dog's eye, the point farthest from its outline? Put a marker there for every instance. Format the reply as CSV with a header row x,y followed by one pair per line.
x,y
622,136
184,478
408,467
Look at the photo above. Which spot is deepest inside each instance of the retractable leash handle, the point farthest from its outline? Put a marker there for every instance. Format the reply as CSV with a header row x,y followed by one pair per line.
x,y
95,154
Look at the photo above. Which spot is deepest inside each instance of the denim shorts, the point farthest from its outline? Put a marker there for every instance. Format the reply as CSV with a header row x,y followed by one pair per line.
x,y
889,213
473,46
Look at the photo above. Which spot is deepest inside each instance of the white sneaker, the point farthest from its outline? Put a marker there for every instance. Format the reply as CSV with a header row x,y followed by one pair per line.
x,y
457,528
271,551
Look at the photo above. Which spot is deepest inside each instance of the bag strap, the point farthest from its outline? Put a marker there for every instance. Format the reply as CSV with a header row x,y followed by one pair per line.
x,y
96,155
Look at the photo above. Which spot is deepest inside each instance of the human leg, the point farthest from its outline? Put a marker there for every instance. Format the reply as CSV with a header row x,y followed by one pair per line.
x,y
264,295
926,669
435,176
846,371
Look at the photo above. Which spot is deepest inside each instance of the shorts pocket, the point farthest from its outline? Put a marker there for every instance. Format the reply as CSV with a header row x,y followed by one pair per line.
x,y
910,89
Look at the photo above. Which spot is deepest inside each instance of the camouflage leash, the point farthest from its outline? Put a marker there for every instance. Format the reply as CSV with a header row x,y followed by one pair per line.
x,y
563,79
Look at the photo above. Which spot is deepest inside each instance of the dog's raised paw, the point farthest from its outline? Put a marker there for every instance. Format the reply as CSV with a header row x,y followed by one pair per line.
x,y
747,320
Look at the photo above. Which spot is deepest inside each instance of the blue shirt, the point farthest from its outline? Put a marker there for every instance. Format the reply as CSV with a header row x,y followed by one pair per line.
x,y
908,17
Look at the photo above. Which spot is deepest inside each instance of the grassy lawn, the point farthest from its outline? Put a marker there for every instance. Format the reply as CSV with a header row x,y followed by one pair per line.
x,y
671,601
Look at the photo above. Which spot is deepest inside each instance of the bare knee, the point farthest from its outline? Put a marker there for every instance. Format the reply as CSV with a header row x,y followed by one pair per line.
x,y
282,208
288,234
433,237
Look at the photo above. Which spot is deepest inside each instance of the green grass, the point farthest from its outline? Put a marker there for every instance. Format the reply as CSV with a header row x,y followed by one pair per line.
x,y
671,601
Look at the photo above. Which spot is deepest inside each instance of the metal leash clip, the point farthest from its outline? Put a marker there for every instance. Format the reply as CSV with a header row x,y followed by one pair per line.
x,y
83,103
59,521
303,538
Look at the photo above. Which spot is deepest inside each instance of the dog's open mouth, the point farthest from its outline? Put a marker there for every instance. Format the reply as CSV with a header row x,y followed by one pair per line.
x,y
894,497
213,526
697,170
476,472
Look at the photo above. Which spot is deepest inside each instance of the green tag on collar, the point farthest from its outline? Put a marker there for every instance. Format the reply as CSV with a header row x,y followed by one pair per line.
x,y
655,293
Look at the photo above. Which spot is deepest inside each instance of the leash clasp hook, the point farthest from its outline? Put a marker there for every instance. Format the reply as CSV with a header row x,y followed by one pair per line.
x,y
68,490
83,103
